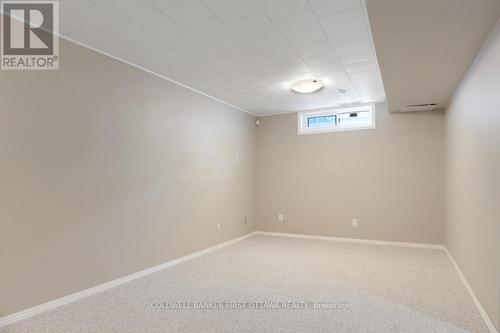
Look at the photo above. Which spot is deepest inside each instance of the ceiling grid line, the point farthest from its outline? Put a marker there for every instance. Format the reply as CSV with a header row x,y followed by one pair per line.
x,y
245,52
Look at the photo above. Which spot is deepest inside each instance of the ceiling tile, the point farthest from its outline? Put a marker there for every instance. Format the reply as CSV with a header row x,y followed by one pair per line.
x,y
306,37
343,20
364,77
328,69
356,57
265,40
165,30
112,6
170,55
226,41
294,61
139,14
246,52
158,3
241,52
211,27
282,68
349,35
327,7
361,66
276,9
297,23
287,78
362,45
185,43
128,33
72,7
249,61
253,25
226,67
340,79
278,51
152,45
205,2
204,54
325,58
234,10
100,20
69,24
90,37
312,50
185,11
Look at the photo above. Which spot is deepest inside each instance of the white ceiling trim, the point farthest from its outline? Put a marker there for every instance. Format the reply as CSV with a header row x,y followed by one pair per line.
x,y
155,74
146,70
205,94
245,53
372,42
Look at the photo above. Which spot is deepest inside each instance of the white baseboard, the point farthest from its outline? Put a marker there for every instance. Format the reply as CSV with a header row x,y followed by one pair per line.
x,y
480,308
111,284
353,240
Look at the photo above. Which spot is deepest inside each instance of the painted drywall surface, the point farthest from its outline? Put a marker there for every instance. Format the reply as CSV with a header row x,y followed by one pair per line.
x,y
389,178
425,47
473,176
106,170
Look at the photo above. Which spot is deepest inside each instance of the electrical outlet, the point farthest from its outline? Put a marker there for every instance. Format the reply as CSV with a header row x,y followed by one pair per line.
x,y
462,246
281,217
219,226
354,223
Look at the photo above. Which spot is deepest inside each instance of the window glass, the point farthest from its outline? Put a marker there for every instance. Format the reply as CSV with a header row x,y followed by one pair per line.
x,y
357,119
336,120
321,121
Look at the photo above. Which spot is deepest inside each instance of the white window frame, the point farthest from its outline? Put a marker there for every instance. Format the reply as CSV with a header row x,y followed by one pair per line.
x,y
302,118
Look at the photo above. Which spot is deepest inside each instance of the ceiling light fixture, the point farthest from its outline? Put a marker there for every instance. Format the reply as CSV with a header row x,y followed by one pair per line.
x,y
307,86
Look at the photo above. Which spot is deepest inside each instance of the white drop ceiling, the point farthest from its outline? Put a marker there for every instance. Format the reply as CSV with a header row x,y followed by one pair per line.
x,y
244,52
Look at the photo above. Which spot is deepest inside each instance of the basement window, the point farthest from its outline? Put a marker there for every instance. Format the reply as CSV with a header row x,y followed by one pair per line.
x,y
336,120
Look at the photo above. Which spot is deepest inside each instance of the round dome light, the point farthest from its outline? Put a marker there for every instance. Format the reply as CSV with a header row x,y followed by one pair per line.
x,y
307,86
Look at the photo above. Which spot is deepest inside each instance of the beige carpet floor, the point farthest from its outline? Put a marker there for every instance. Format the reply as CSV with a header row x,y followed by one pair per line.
x,y
384,289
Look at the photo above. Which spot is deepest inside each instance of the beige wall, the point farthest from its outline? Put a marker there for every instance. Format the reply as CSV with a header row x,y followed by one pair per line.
x,y
473,176
390,178
106,170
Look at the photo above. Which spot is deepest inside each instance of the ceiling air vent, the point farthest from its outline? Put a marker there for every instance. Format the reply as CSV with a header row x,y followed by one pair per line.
x,y
419,107
342,91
